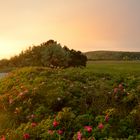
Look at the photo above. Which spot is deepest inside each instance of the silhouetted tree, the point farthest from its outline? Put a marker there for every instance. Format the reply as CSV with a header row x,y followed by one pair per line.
x,y
50,54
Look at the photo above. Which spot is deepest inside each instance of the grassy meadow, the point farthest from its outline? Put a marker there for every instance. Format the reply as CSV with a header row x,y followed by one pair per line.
x,y
115,67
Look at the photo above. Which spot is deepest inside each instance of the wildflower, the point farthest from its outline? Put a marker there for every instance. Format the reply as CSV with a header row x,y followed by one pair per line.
x,y
88,129
107,118
50,132
3,137
34,124
60,132
26,136
32,116
79,135
100,126
55,123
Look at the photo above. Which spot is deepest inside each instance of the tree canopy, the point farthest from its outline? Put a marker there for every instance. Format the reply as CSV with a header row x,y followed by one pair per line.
x,y
48,54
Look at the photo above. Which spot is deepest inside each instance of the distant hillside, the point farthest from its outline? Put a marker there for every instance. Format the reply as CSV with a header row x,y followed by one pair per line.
x,y
112,55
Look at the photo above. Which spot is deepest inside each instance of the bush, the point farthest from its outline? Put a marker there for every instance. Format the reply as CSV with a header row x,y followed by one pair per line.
x,y
43,103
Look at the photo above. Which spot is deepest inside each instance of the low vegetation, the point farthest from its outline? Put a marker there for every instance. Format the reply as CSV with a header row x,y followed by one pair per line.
x,y
49,94
40,103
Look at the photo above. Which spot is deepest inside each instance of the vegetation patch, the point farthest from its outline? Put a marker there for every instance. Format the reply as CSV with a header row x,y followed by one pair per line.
x,y
40,103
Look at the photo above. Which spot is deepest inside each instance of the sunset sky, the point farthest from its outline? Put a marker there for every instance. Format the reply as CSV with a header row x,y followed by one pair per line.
x,y
85,25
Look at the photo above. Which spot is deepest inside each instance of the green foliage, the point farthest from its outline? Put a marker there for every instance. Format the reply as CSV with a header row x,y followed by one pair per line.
x,y
53,104
50,54
55,56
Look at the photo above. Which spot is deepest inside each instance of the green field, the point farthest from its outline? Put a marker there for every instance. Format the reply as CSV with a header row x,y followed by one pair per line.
x,y
115,67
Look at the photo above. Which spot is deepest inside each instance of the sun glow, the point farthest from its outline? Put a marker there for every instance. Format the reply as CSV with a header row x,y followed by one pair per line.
x,y
85,26
10,48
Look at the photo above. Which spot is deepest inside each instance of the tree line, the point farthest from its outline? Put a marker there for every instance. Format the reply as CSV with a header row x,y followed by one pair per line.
x,y
47,54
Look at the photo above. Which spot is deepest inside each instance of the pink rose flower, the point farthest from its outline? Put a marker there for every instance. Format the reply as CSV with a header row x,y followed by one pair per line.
x,y
26,136
88,129
107,118
100,126
60,132
55,123
32,116
34,124
3,138
50,132
79,135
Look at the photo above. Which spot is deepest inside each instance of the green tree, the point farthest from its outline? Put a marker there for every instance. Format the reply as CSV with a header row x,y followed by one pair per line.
x,y
49,54
53,55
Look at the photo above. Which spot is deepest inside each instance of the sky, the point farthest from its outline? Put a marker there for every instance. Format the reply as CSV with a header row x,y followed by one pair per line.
x,y
85,25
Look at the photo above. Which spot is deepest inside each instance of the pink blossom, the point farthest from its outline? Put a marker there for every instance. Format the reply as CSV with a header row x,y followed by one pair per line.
x,y
88,128
79,135
100,126
107,118
34,124
3,138
55,123
26,136
32,116
50,132
60,132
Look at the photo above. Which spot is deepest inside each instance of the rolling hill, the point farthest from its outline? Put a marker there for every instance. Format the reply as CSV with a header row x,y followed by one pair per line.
x,y
112,55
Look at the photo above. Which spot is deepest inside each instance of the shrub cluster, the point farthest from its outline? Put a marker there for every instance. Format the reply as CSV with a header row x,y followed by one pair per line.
x,y
48,54
50,104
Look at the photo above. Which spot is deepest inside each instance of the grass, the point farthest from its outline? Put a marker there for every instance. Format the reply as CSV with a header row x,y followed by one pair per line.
x,y
114,67
109,67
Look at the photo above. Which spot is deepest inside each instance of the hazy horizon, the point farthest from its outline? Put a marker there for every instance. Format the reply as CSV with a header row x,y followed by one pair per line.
x,y
82,25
